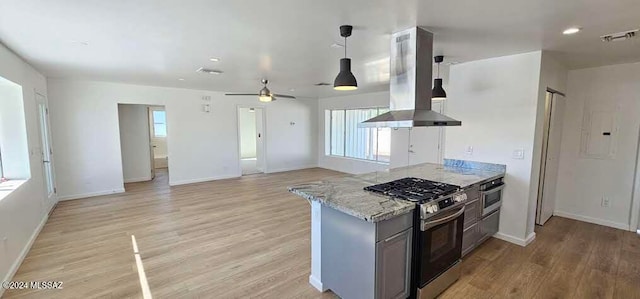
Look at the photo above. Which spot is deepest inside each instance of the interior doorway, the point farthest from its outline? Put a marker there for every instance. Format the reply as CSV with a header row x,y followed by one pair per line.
x,y
251,123
158,138
549,162
143,142
46,151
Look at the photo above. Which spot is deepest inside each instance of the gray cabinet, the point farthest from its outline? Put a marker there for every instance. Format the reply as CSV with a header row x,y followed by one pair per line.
x,y
490,225
470,238
393,266
477,229
363,259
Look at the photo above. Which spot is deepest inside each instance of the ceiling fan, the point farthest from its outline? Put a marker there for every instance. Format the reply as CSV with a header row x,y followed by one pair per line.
x,y
264,95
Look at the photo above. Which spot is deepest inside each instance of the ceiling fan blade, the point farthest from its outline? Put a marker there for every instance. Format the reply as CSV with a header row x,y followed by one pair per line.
x,y
284,96
241,94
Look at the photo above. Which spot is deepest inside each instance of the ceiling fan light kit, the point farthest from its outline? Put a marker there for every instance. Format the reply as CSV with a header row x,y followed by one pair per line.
x,y
264,95
345,79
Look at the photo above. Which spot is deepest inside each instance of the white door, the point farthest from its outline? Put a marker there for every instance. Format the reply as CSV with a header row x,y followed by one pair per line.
x,y
554,110
47,152
418,145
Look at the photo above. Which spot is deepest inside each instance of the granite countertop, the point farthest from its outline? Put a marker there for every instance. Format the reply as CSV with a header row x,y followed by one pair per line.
x,y
346,194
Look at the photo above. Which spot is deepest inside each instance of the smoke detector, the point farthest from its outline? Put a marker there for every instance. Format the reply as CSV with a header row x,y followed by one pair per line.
x,y
620,36
208,71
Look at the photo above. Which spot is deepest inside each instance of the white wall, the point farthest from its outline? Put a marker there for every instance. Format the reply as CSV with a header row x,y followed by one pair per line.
x,y
552,75
348,165
23,212
134,142
201,146
497,99
247,133
584,181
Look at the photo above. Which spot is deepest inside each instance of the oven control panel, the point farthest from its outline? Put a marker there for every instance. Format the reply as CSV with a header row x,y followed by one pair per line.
x,y
434,207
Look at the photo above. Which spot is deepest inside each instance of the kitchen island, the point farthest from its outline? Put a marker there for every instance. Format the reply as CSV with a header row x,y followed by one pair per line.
x,y
361,241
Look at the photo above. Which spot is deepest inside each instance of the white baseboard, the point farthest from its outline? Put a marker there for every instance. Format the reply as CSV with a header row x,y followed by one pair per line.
x,y
624,226
136,180
515,240
24,252
530,238
316,283
193,181
291,168
90,194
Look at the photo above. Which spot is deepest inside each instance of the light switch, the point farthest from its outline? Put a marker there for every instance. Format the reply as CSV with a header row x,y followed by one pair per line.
x,y
518,154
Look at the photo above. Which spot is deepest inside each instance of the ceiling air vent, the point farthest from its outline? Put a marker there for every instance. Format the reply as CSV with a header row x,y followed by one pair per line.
x,y
620,36
322,84
208,71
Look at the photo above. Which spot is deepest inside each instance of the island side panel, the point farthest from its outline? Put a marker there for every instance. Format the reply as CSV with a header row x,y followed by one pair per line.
x,y
348,254
315,279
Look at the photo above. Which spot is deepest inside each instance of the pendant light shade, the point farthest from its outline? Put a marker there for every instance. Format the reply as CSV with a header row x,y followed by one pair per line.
x,y
345,79
438,92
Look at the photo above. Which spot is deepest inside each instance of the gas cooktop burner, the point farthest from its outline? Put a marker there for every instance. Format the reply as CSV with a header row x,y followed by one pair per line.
x,y
414,189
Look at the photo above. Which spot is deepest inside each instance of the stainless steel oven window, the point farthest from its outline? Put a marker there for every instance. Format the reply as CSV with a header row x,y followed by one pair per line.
x,y
443,240
492,198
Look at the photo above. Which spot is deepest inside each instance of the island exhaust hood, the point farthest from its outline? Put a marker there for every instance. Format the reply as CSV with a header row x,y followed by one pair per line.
x,y
410,84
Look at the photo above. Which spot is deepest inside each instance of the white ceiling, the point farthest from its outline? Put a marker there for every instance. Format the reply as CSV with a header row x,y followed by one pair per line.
x,y
155,42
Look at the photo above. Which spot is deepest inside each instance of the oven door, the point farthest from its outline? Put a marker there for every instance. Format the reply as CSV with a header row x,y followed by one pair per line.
x,y
440,245
491,199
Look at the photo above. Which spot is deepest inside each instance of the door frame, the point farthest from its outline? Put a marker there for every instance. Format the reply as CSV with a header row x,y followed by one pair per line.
x,y
52,198
634,224
264,135
546,127
150,109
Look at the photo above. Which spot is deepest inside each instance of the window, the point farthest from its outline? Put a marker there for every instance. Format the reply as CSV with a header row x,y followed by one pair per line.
x,y
159,123
345,139
1,170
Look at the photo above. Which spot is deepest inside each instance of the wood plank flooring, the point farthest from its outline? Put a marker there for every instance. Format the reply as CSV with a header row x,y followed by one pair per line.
x,y
568,259
236,238
250,238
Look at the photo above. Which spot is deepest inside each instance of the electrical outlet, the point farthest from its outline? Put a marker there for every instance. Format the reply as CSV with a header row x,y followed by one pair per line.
x,y
606,202
469,150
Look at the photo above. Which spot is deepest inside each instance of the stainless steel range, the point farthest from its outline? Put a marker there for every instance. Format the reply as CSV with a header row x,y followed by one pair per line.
x,y
438,225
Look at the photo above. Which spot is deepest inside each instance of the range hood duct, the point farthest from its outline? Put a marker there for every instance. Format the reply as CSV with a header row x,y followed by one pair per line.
x,y
410,84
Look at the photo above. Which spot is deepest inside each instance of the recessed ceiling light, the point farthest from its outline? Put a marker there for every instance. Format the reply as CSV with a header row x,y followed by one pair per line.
x,y
80,42
180,79
572,30
208,71
292,89
214,59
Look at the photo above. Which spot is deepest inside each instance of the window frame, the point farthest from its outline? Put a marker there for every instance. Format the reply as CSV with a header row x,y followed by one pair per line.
x,y
329,135
1,167
152,121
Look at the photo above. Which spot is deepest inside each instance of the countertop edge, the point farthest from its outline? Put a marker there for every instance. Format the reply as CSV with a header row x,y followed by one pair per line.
x,y
373,218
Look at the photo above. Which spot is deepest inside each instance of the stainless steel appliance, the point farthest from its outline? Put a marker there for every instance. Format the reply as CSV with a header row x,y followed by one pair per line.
x,y
410,84
438,226
491,196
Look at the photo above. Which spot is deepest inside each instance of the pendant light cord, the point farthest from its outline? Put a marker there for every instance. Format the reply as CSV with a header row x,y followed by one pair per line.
x,y
345,47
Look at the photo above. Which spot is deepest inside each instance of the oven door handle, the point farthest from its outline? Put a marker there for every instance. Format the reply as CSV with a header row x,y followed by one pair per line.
x,y
429,224
492,190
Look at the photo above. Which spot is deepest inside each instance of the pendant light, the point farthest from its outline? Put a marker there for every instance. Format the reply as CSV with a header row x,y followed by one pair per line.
x,y
345,79
438,92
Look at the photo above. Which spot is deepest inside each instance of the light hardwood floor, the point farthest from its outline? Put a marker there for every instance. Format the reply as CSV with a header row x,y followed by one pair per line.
x,y
249,238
